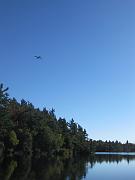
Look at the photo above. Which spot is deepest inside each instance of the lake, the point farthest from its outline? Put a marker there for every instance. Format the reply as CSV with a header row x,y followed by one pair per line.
x,y
101,166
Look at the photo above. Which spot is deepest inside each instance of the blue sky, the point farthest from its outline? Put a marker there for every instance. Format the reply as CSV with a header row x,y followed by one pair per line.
x,y
88,67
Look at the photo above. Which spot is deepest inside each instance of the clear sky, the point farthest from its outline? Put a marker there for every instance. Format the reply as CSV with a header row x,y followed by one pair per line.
x,y
88,67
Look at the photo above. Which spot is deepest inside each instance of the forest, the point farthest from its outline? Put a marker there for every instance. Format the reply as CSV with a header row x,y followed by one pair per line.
x,y
25,129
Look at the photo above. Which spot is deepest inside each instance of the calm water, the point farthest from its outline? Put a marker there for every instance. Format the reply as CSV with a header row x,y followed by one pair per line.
x,y
100,167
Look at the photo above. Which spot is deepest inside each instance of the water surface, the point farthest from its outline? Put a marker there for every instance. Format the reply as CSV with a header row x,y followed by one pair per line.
x,y
99,167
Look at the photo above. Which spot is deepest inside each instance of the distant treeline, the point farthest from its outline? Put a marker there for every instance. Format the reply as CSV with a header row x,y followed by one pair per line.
x,y
26,129
111,146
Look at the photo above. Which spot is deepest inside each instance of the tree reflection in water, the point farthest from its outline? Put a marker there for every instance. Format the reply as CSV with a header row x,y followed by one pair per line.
x,y
26,168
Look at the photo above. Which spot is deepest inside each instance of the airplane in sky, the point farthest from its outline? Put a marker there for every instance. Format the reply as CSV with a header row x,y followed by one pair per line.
x,y
38,57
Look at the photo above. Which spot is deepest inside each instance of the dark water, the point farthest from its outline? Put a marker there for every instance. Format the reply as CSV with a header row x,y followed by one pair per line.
x,y
98,167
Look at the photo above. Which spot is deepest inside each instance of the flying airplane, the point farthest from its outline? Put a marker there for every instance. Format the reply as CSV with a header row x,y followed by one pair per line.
x,y
38,57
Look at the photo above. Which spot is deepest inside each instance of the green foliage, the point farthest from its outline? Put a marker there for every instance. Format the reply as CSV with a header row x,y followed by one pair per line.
x,y
3,97
5,121
9,170
111,146
25,139
27,129
13,138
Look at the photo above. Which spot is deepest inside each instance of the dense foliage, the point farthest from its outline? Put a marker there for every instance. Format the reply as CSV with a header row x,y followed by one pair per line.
x,y
26,129
111,146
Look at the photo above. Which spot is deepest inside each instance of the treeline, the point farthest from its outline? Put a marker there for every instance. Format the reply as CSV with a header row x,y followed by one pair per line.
x,y
111,146
26,129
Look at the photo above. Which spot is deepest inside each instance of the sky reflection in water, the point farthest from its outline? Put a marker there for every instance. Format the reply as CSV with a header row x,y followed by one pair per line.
x,y
121,167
